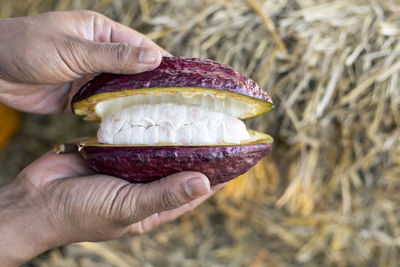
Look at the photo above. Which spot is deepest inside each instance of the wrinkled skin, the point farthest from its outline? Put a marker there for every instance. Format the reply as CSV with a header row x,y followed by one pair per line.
x,y
56,200
43,56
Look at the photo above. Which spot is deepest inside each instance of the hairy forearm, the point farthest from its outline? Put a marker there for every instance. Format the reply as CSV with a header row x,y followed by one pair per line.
x,y
22,232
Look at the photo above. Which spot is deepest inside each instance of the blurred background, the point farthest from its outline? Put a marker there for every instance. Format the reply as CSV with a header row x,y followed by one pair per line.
x,y
329,193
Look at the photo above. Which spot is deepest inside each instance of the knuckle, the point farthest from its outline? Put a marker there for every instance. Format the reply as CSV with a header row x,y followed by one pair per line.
x,y
120,54
72,53
72,43
88,13
123,203
121,50
117,207
170,199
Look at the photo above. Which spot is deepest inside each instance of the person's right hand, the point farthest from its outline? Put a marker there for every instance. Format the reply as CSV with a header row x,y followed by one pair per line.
x,y
42,57
58,200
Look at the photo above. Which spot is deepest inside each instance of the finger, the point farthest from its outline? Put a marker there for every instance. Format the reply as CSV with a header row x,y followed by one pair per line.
x,y
124,34
157,219
165,194
120,33
53,166
107,30
83,56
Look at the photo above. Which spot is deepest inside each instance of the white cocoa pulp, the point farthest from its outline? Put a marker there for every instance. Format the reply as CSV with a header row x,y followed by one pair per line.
x,y
170,123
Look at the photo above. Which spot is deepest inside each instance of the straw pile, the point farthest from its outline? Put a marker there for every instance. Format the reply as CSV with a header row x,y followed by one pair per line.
x,y
328,194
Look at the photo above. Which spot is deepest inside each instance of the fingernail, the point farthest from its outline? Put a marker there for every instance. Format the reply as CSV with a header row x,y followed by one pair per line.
x,y
196,187
148,56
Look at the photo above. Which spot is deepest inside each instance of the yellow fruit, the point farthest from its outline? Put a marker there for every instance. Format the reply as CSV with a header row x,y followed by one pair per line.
x,y
9,124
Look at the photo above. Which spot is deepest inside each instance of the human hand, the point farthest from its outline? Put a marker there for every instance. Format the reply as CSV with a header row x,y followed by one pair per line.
x,y
45,58
57,200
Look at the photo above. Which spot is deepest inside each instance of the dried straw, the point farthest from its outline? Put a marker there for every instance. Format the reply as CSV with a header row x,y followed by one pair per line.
x,y
329,193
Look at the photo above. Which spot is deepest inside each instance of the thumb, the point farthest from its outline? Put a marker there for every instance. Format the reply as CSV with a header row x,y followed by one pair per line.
x,y
94,57
165,194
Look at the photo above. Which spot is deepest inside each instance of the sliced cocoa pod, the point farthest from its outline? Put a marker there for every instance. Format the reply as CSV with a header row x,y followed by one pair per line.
x,y
220,163
178,80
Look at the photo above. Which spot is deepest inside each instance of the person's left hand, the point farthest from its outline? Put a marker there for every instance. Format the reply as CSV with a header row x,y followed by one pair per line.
x,y
58,200
44,56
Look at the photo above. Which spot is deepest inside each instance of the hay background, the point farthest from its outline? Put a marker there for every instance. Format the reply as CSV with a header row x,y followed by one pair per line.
x,y
329,194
